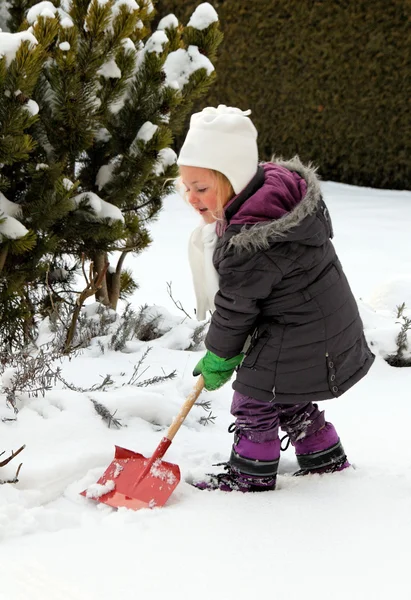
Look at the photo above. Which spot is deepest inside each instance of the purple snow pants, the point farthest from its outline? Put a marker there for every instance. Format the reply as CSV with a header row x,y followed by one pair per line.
x,y
259,420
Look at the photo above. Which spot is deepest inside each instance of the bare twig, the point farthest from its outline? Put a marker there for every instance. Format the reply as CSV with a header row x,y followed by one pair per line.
x,y
7,460
12,455
15,478
177,303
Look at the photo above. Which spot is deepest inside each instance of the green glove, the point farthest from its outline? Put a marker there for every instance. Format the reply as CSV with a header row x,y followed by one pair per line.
x,y
216,370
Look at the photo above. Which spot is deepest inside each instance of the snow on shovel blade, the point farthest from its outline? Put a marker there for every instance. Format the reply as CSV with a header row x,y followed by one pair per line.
x,y
134,481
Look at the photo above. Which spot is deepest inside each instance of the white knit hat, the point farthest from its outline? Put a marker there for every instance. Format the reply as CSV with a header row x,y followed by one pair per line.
x,y
223,139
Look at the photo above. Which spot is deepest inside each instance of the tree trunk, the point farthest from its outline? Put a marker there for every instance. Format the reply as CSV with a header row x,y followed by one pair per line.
x,y
3,256
100,260
115,282
109,293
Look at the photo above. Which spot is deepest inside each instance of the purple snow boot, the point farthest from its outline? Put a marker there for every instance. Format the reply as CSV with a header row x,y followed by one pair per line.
x,y
321,452
252,467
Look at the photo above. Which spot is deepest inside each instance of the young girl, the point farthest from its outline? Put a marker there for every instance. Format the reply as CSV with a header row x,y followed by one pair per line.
x,y
284,315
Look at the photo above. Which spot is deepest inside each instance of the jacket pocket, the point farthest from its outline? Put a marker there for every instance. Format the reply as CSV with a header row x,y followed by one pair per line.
x,y
257,344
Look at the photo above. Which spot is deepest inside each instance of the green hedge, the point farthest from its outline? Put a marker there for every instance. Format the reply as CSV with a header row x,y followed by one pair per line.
x,y
329,80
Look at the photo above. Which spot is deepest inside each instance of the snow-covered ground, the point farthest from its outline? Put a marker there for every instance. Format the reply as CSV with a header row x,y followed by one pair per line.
x,y
339,536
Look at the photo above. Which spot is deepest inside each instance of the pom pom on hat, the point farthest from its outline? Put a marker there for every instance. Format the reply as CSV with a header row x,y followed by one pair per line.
x,y
223,139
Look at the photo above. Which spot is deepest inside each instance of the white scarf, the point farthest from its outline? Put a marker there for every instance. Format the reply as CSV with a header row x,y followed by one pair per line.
x,y
205,278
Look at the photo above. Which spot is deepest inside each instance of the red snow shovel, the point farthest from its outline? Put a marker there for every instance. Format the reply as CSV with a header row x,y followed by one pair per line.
x,y
134,481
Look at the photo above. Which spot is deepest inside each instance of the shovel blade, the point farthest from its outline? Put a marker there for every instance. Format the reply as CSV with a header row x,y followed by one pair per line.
x,y
125,482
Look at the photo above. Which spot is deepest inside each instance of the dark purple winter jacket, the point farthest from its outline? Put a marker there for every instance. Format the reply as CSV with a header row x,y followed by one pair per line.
x,y
283,291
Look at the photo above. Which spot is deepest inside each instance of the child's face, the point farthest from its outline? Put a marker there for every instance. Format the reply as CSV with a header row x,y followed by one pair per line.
x,y
201,190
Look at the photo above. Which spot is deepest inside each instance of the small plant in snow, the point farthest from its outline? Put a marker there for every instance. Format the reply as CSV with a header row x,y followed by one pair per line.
x,y
36,373
134,379
400,358
106,415
210,418
32,374
141,326
124,331
198,337
146,327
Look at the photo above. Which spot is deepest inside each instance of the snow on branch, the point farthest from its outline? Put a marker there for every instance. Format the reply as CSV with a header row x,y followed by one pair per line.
x,y
203,16
180,64
101,208
168,22
44,9
11,42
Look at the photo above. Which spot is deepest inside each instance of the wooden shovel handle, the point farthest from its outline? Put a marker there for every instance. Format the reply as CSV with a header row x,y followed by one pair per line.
x,y
185,409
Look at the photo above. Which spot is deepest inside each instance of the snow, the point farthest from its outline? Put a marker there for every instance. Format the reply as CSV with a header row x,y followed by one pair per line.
x,y
168,22
9,208
11,42
203,16
336,536
64,46
146,131
128,44
131,6
67,183
166,158
110,70
43,9
104,174
101,208
96,490
65,20
156,42
385,296
10,228
32,107
181,63
102,135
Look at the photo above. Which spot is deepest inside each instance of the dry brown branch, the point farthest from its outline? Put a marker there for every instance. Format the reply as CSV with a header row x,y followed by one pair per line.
x,y
7,460
12,455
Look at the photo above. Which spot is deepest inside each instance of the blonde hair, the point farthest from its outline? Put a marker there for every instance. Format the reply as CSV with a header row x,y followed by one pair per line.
x,y
224,191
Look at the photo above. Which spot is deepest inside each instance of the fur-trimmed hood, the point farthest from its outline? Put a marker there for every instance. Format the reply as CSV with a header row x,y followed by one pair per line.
x,y
283,208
